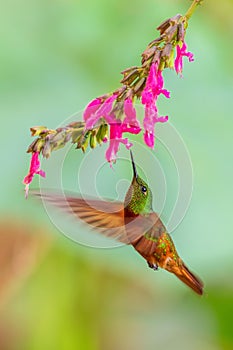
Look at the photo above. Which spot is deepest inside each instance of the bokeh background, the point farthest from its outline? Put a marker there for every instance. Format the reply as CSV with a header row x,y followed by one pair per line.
x,y
57,294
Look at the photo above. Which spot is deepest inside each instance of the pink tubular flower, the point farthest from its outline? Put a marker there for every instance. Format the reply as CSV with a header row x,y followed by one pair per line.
x,y
34,169
130,114
96,110
160,81
149,93
180,53
116,131
150,119
153,88
91,108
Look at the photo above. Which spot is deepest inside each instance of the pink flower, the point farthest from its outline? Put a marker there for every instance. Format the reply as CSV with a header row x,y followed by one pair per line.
x,y
34,169
180,53
116,131
149,139
160,81
150,90
98,109
91,108
153,88
130,114
150,119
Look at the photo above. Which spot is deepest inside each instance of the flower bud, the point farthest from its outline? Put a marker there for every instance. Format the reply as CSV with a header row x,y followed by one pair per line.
x,y
166,51
180,32
86,142
36,130
93,139
139,86
102,133
76,133
36,146
148,53
46,151
83,140
130,78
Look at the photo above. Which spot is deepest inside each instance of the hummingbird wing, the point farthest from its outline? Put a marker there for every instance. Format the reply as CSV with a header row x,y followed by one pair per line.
x,y
105,216
143,232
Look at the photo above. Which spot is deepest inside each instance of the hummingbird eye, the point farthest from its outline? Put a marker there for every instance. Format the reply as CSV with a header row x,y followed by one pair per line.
x,y
144,189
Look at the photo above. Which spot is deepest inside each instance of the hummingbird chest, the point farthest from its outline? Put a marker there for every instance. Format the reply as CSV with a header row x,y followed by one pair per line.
x,y
156,247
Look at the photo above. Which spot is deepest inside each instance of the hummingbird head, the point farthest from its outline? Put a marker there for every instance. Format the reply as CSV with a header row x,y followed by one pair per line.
x,y
138,199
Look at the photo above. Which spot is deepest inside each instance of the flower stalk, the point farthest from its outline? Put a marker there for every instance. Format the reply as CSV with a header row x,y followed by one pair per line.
x,y
192,8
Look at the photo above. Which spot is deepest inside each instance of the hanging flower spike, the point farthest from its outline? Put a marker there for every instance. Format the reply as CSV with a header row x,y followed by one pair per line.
x,y
103,110
180,53
34,169
116,131
114,112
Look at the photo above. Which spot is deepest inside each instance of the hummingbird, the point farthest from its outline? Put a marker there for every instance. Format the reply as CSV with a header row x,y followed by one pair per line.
x,y
132,222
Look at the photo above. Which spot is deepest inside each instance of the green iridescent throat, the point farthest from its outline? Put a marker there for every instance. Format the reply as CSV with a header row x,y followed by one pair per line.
x,y
137,201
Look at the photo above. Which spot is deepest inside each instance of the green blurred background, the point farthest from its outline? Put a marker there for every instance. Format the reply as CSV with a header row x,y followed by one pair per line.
x,y
56,294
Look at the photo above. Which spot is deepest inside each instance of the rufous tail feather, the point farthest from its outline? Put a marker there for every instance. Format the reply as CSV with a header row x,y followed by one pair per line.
x,y
190,279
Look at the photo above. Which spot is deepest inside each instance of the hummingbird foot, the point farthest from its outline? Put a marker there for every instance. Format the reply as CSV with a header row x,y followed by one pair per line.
x,y
153,266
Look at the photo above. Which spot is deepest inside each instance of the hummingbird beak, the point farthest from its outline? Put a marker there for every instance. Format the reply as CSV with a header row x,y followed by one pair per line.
x,y
133,164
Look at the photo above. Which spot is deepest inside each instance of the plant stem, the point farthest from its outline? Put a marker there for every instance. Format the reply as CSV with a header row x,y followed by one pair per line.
x,y
192,8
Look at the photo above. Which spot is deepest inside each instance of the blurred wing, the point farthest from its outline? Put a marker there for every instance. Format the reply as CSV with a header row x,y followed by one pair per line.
x,y
144,231
106,217
144,227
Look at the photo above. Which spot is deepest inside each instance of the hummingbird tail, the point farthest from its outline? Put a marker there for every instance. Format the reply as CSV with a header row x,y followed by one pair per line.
x,y
190,279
